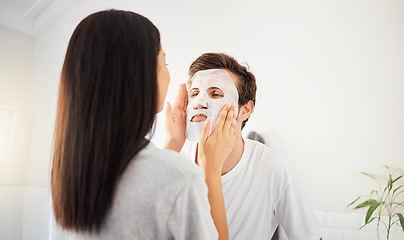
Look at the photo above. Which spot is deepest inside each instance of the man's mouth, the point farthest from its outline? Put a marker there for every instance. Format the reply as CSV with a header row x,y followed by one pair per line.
x,y
200,117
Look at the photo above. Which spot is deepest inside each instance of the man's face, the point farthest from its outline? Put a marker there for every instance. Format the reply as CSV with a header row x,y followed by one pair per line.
x,y
210,91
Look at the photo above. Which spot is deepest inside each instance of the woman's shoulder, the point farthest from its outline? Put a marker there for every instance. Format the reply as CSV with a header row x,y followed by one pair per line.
x,y
169,162
159,174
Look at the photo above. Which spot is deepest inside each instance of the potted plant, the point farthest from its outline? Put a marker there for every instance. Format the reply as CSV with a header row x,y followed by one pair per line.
x,y
383,201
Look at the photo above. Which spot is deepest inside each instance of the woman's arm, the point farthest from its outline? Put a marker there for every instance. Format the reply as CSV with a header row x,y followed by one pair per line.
x,y
212,152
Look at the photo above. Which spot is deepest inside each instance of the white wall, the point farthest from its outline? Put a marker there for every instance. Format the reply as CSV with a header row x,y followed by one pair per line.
x,y
329,75
16,68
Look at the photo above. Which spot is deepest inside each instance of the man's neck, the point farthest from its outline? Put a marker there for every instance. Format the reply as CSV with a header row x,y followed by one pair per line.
x,y
234,156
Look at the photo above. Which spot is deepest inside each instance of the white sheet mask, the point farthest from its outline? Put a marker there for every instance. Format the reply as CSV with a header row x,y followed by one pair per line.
x,y
203,103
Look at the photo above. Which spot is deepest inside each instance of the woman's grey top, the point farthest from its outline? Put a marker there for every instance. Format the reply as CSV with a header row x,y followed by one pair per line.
x,y
161,195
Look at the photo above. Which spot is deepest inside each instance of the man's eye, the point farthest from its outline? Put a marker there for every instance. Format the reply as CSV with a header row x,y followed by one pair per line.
x,y
216,95
194,94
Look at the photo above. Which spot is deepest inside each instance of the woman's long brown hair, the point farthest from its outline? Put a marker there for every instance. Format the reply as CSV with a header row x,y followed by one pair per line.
x,y
107,104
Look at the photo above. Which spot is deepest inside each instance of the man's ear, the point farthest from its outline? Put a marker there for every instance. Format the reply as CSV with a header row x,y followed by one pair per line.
x,y
245,111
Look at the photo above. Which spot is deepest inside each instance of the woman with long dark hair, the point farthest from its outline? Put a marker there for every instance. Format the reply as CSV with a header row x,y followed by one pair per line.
x,y
108,181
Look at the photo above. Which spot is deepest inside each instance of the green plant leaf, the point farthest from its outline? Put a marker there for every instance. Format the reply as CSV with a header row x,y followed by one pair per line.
x,y
353,202
373,192
371,209
400,216
372,177
385,188
371,220
395,190
390,183
395,180
366,203
399,193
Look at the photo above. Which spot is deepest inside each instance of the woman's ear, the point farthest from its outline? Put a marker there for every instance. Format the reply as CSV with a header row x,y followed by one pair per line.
x,y
245,111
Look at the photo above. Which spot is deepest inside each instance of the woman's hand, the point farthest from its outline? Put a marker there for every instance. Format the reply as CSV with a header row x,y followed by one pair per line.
x,y
175,122
214,149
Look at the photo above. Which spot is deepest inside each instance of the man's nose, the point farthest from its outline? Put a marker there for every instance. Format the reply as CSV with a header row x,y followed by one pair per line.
x,y
201,106
201,101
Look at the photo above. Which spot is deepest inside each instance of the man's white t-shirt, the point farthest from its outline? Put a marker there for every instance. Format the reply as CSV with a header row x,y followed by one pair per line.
x,y
261,192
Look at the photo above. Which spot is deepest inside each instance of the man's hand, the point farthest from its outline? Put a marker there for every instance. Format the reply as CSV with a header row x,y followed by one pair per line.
x,y
175,122
215,148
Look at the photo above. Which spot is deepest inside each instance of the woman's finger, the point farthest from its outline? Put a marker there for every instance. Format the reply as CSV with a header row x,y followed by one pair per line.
x,y
233,128
185,98
205,133
221,119
181,100
229,119
169,111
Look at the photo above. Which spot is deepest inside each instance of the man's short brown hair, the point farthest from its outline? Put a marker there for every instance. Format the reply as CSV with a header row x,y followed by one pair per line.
x,y
246,86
